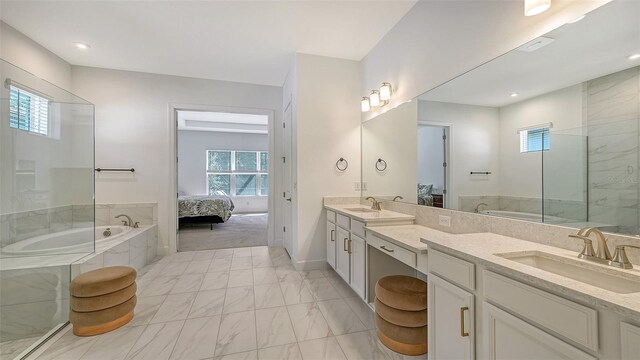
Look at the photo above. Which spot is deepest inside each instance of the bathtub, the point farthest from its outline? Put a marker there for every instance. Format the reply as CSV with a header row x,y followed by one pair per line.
x,y
70,241
517,215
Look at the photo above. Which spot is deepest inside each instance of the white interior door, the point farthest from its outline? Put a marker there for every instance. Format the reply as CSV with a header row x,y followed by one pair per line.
x,y
286,181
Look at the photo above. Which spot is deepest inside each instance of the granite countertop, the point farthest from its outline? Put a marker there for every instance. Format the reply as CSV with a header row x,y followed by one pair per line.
x,y
481,248
382,215
406,236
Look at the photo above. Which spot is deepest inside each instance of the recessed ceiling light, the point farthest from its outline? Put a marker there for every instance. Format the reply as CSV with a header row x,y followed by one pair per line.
x,y
634,56
514,94
577,19
82,46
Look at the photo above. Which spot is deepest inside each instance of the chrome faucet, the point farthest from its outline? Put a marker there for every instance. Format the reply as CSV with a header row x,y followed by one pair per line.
x,y
477,210
375,204
129,222
398,197
588,253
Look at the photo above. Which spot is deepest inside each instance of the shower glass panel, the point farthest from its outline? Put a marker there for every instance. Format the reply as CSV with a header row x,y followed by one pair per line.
x,y
46,204
564,179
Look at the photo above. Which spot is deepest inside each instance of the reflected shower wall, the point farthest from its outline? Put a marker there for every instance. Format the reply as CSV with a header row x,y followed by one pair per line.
x,y
46,203
564,179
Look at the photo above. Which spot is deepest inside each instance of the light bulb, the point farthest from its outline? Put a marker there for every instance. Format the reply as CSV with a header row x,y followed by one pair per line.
x,y
385,91
364,104
374,98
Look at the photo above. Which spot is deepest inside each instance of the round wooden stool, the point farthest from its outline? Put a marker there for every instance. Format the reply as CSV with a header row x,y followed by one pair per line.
x,y
401,314
102,300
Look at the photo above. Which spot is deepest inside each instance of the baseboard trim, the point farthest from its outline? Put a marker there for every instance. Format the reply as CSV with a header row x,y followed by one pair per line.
x,y
306,265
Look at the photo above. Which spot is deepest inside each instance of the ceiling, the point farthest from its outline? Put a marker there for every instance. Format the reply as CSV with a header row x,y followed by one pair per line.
x,y
598,45
242,41
222,122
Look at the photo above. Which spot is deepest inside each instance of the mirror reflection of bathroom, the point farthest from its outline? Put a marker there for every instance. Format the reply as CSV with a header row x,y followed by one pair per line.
x,y
545,133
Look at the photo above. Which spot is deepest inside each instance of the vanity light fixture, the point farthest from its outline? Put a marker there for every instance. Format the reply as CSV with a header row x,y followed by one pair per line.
x,y
364,104
82,46
634,57
535,7
385,91
374,98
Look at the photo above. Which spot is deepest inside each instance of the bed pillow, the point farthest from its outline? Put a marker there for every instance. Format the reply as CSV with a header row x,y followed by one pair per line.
x,y
424,190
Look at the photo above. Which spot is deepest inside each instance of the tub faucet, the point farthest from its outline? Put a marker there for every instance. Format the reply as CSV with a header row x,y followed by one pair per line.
x,y
398,197
129,222
477,210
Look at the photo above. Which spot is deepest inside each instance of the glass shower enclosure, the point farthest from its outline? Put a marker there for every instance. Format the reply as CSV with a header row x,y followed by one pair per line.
x,y
46,204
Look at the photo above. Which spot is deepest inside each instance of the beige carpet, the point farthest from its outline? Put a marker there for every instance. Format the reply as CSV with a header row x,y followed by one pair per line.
x,y
240,230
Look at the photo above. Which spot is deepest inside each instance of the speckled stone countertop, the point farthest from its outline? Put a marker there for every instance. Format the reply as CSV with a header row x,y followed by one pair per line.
x,y
481,248
406,236
369,217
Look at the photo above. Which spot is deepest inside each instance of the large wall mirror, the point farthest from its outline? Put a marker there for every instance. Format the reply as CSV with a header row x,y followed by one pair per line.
x,y
548,132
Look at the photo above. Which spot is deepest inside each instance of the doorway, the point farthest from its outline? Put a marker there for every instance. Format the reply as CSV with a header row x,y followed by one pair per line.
x,y
223,170
433,165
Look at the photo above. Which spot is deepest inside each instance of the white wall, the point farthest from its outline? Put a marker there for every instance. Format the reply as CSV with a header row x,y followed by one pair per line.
x,y
133,129
431,156
392,138
438,40
326,125
474,146
521,174
18,49
192,147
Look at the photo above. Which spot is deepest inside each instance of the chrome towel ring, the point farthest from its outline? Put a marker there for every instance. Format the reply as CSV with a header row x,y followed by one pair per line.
x,y
342,164
381,165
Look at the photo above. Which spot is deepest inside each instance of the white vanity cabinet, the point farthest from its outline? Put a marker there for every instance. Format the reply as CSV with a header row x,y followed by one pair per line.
x,y
358,247
331,244
342,254
451,315
630,341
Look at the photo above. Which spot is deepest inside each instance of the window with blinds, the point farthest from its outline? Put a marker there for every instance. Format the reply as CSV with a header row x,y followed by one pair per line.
x,y
28,111
532,140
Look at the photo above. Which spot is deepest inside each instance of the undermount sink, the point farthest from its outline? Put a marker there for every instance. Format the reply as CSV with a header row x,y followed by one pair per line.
x,y
363,210
579,270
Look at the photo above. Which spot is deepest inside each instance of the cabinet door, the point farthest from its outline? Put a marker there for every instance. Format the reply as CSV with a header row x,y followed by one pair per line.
x,y
342,253
331,244
357,247
507,337
630,339
450,321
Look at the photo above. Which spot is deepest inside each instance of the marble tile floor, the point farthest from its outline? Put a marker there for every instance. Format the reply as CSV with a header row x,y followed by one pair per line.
x,y
242,303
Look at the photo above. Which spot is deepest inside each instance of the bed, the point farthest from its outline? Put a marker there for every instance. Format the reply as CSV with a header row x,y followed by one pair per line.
x,y
425,196
204,209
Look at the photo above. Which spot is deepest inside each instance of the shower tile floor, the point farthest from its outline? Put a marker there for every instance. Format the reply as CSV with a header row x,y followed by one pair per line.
x,y
242,303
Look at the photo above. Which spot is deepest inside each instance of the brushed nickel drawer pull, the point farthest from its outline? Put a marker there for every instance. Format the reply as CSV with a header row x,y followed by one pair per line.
x,y
385,249
344,244
462,332
349,246
333,235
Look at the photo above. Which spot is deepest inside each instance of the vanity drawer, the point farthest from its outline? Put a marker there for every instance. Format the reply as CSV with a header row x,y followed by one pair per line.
x,y
453,269
357,227
404,255
331,216
343,221
561,316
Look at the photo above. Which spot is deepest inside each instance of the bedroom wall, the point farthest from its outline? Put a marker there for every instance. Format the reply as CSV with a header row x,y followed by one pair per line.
x,y
474,146
192,147
133,130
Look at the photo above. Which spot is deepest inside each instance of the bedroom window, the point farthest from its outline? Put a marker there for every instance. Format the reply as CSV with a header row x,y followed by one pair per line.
x,y
28,111
238,173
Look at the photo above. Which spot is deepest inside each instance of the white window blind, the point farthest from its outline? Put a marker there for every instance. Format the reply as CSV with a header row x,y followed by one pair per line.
x,y
534,139
28,111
